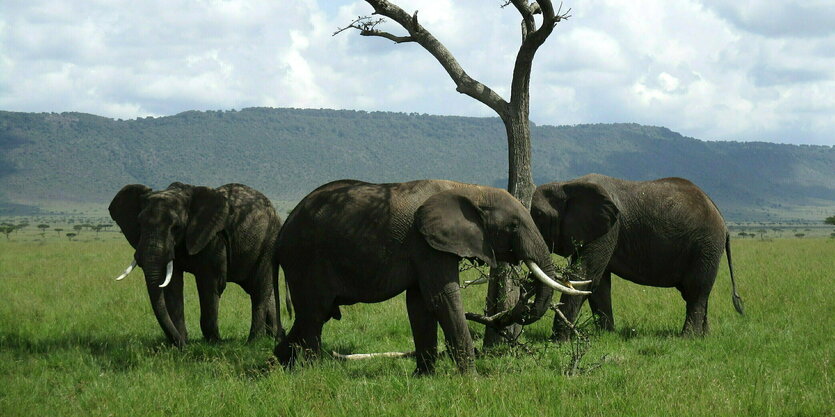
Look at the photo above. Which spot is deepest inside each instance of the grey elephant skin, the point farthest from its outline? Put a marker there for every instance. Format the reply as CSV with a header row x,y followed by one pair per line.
x,y
349,242
661,233
224,234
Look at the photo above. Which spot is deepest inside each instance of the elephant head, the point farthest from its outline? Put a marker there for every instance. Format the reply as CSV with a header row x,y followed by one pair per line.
x,y
571,214
490,225
161,225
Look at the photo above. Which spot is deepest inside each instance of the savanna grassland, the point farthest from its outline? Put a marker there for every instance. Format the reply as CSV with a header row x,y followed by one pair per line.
x,y
75,342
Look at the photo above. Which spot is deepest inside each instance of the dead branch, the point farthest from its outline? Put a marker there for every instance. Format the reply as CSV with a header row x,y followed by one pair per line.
x,y
468,265
362,356
463,82
367,26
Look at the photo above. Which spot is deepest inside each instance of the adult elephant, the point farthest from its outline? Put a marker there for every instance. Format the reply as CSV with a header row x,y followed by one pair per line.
x,y
218,234
350,241
662,233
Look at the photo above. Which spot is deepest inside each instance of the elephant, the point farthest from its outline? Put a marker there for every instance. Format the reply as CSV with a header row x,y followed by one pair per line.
x,y
224,234
351,242
662,233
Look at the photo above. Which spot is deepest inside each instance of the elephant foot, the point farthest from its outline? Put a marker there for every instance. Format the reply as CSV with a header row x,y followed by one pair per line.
x,y
421,372
285,353
177,341
691,332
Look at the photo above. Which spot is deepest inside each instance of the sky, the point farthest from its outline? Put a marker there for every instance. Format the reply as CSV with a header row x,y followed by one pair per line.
x,y
744,70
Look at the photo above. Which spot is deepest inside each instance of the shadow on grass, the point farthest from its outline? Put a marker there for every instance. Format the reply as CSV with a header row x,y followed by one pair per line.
x,y
255,371
124,353
629,333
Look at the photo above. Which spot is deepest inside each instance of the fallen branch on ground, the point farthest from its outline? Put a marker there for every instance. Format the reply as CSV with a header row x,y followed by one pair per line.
x,y
361,356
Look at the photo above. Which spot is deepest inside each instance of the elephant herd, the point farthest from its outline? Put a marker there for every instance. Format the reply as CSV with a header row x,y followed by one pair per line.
x,y
353,242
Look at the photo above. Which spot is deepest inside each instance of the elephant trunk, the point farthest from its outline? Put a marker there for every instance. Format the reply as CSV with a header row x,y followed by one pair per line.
x,y
153,277
542,302
538,259
532,249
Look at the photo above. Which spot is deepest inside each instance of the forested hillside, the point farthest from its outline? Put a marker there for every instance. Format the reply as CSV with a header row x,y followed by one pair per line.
x,y
76,157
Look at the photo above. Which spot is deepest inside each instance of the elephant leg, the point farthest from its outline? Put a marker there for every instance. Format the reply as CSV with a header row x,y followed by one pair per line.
x,y
314,307
263,316
695,321
450,313
173,294
424,331
696,291
207,290
263,304
305,337
600,302
438,280
273,318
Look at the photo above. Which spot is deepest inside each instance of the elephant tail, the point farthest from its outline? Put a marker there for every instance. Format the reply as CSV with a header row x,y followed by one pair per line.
x,y
736,298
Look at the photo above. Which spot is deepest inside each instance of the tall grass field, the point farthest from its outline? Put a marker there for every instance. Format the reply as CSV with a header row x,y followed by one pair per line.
x,y
74,342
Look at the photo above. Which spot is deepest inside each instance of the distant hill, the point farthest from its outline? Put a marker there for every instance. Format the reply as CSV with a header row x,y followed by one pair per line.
x,y
76,157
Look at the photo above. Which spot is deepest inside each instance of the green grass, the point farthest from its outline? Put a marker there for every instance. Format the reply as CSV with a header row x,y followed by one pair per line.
x,y
75,342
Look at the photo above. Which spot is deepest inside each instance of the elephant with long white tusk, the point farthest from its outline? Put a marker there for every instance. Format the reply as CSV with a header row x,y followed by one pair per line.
x,y
224,234
351,241
663,233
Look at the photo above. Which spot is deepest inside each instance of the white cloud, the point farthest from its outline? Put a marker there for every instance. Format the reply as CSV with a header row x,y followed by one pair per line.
x,y
750,70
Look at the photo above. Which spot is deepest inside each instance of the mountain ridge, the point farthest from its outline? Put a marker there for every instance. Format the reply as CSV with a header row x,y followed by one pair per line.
x,y
285,153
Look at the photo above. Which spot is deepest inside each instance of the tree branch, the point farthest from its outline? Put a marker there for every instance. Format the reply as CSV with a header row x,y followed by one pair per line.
x,y
368,27
527,12
530,44
389,36
463,82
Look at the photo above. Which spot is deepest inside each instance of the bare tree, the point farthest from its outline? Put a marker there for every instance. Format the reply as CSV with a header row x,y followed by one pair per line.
x,y
502,293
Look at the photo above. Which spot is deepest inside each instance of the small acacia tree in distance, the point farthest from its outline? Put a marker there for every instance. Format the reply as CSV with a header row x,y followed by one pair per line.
x,y
830,220
502,292
7,230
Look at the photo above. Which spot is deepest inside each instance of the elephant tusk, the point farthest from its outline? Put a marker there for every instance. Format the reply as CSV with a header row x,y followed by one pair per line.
x,y
169,269
127,271
579,283
550,282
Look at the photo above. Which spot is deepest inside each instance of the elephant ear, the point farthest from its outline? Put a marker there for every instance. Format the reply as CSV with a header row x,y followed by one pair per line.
x,y
125,208
589,213
207,216
451,222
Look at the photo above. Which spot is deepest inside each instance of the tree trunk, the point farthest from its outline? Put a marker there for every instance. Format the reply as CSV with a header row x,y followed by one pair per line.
x,y
503,292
